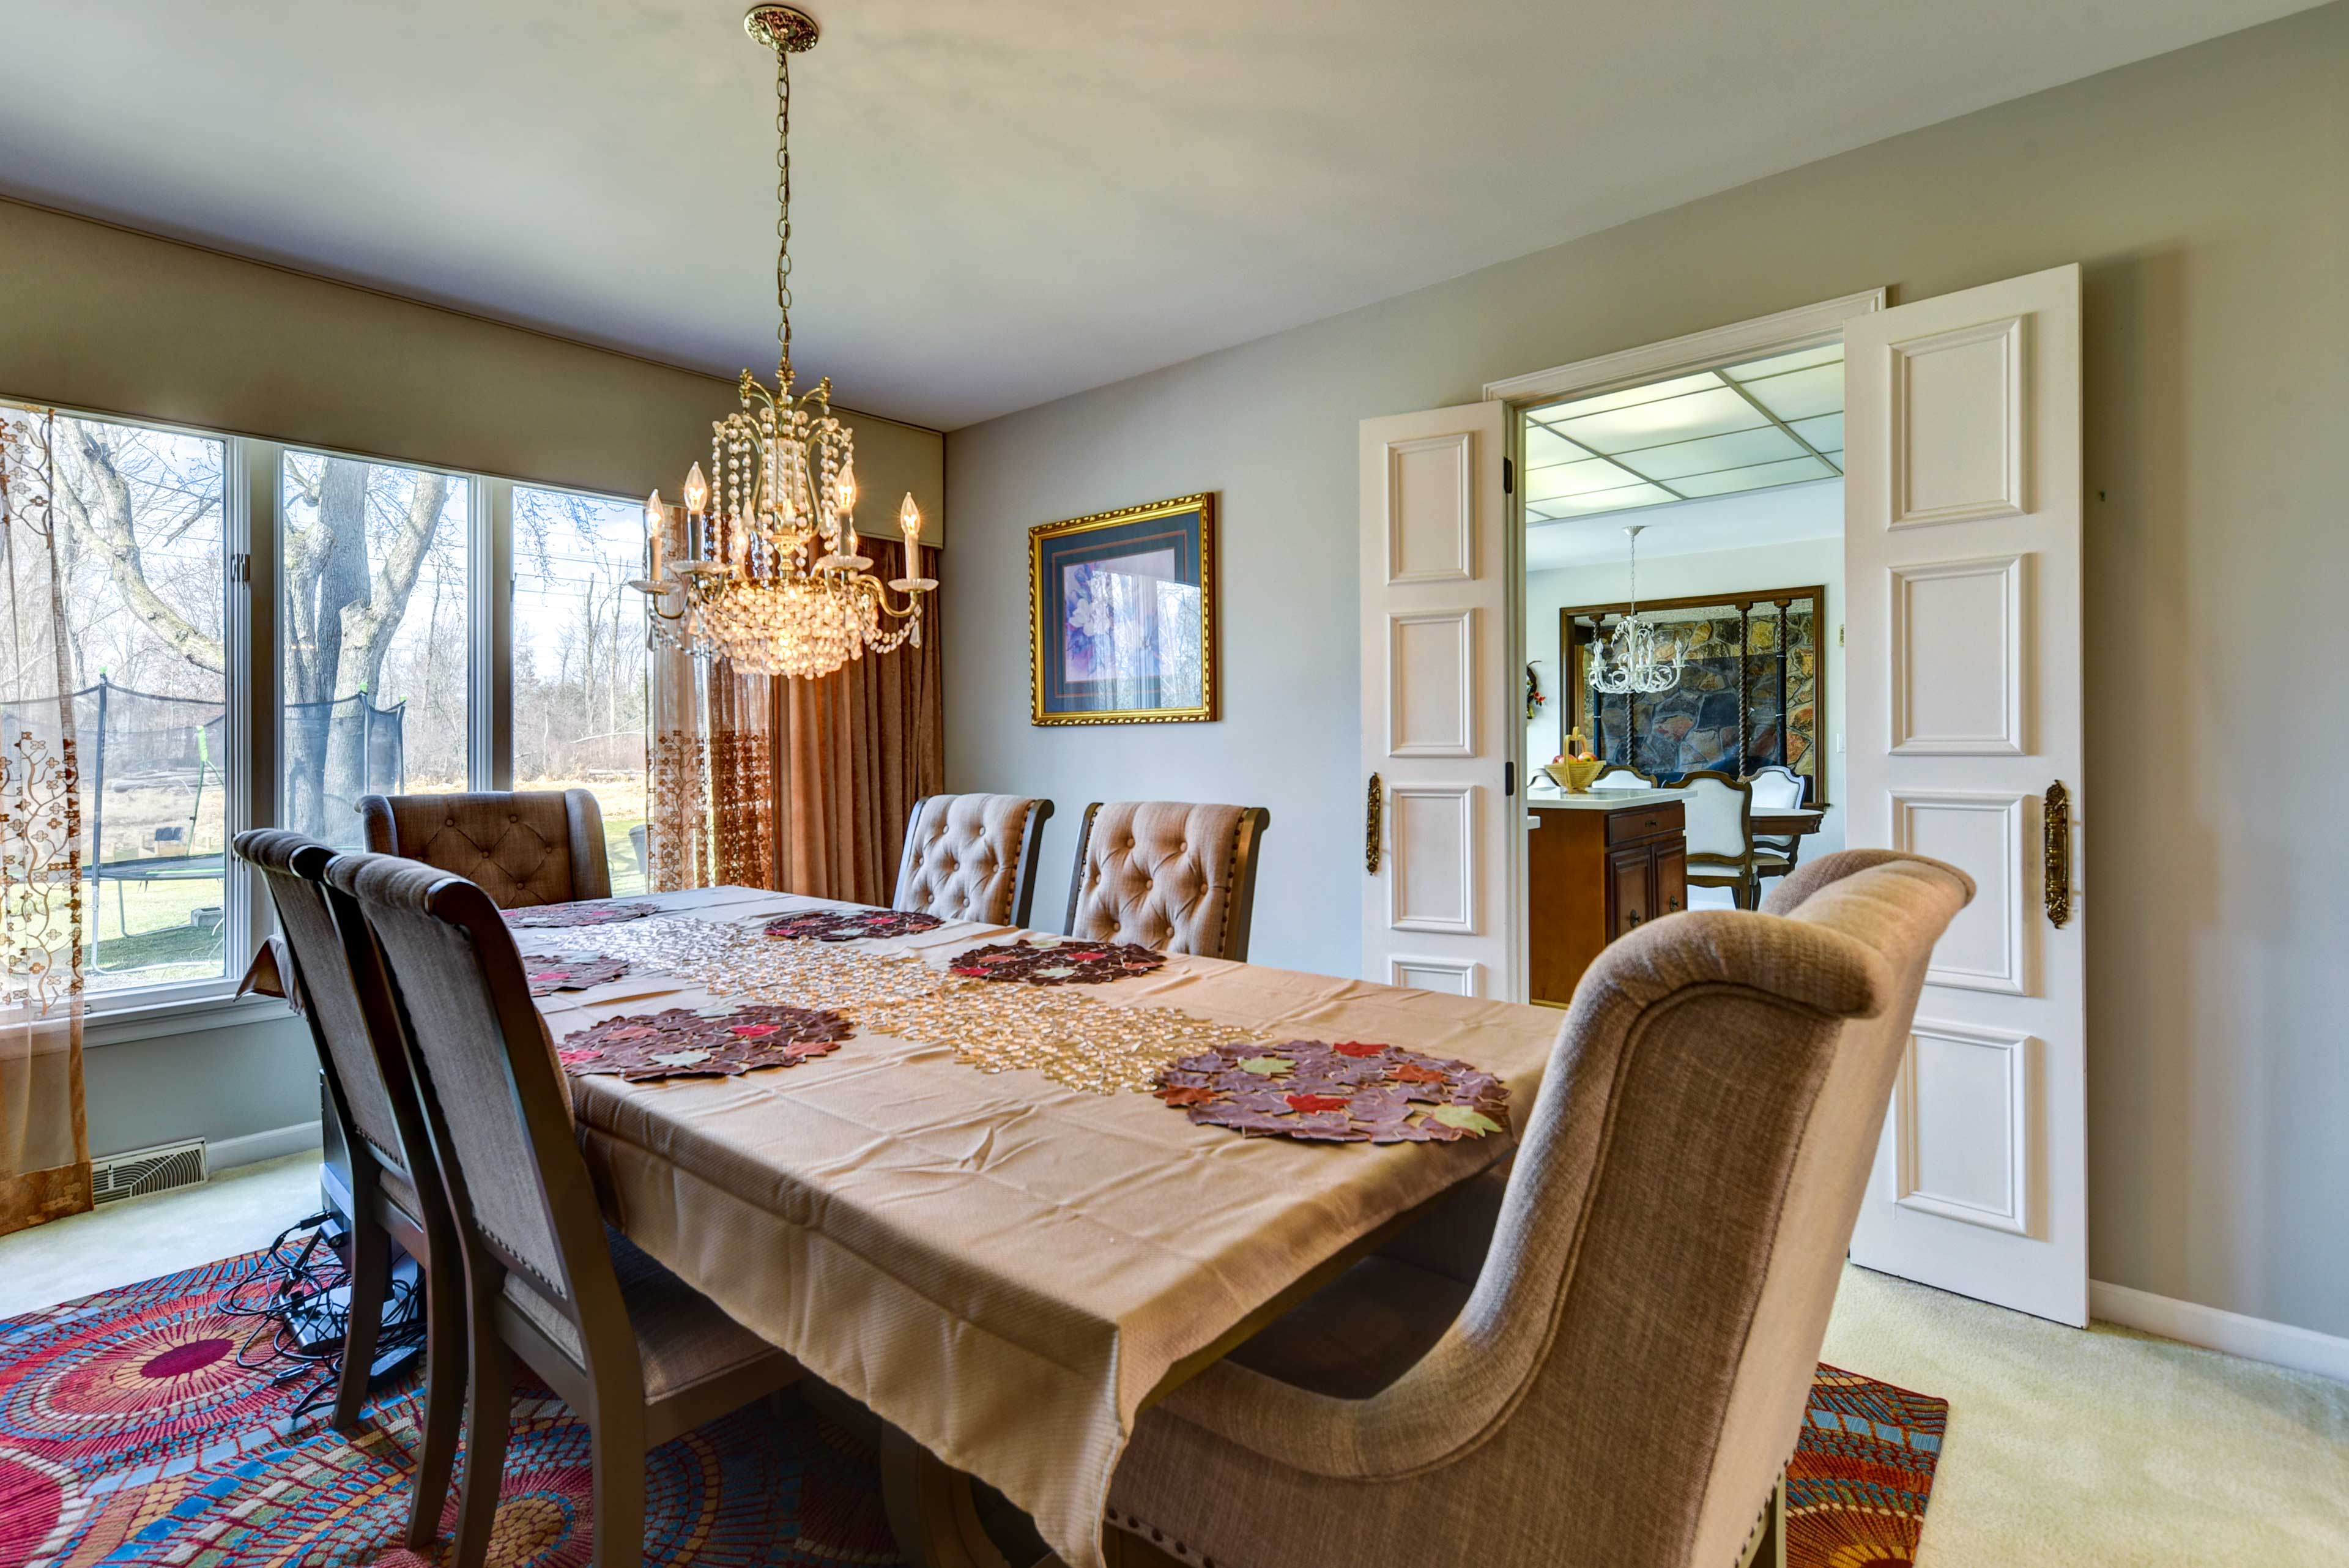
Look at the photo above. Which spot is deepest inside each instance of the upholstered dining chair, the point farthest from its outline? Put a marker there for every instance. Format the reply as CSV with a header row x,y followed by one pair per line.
x,y
1602,1359
396,1196
639,1355
1775,788
1720,817
972,857
1167,875
521,847
1620,775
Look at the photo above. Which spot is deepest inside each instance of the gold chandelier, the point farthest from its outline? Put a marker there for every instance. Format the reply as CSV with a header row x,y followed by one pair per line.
x,y
773,578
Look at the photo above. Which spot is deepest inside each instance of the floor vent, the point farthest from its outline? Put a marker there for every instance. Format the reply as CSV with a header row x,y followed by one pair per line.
x,y
134,1173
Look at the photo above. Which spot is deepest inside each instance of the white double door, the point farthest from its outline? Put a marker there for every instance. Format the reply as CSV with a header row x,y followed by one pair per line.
x,y
1962,497
1963,601
1440,858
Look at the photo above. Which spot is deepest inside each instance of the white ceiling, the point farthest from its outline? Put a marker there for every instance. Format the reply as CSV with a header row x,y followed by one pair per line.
x,y
1739,522
996,203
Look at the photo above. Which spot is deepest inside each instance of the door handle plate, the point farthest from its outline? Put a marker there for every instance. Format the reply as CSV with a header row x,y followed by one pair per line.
x,y
1373,812
2055,832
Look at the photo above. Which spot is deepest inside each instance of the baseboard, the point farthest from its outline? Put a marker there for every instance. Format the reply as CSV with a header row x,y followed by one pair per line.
x,y
2212,1328
226,1154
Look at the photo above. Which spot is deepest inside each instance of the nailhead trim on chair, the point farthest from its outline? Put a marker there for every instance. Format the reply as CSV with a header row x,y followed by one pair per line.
x,y
1157,1537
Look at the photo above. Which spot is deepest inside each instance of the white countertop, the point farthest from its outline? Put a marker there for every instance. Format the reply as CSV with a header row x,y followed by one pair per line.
x,y
1603,799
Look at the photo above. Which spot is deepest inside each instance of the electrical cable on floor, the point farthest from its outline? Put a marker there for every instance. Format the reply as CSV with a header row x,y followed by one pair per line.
x,y
302,1318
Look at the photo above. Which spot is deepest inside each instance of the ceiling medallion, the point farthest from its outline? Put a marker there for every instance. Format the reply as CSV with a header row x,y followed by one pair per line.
x,y
772,576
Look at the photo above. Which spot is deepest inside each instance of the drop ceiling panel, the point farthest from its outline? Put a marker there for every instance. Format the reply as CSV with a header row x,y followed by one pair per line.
x,y
1801,394
1683,417
1761,476
1768,444
1824,432
1575,479
1609,501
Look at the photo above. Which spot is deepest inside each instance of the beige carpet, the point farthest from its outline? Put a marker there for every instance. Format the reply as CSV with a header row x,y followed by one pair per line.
x,y
2066,1449
140,1238
2083,1450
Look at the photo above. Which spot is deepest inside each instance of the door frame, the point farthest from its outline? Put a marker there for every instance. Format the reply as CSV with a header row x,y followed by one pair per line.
x,y
1781,332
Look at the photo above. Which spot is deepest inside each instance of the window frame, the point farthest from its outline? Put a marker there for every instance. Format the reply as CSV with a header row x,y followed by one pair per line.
x,y
252,604
242,922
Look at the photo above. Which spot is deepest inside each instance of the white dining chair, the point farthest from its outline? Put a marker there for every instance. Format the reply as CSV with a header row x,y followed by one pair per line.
x,y
1775,788
1720,814
1622,776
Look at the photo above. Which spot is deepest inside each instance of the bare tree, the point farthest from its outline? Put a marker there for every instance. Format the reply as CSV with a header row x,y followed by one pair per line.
x,y
342,612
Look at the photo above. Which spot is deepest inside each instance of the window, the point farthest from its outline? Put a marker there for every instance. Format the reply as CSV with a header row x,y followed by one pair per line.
x,y
397,672
376,637
144,649
579,660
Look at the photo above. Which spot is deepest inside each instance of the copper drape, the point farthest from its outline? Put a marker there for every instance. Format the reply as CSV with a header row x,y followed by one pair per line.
x,y
853,751
44,1129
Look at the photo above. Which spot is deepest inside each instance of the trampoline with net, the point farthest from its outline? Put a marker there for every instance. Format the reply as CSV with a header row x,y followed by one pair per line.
x,y
154,818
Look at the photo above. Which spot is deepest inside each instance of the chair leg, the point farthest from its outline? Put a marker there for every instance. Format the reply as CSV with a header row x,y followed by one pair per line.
x,y
617,1439
489,1408
444,1380
370,1282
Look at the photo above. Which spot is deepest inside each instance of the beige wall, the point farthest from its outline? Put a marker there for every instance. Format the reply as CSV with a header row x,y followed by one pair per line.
x,y
99,318
2206,194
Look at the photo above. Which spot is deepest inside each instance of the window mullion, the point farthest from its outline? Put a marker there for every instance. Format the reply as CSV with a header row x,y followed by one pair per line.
x,y
255,591
491,660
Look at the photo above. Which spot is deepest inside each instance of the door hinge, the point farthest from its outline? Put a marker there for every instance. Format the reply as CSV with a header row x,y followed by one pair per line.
x,y
239,568
1508,780
1508,476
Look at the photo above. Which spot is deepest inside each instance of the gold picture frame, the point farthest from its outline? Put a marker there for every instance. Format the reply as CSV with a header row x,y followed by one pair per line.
x,y
1121,617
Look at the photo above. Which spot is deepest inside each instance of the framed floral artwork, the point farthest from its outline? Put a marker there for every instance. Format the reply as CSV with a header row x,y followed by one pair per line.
x,y
1122,614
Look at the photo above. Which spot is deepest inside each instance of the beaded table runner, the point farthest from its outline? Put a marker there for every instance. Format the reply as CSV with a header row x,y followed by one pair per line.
x,y
593,912
1072,1038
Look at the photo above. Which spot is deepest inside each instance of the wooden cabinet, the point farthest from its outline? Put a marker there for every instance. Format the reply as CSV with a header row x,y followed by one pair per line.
x,y
1596,871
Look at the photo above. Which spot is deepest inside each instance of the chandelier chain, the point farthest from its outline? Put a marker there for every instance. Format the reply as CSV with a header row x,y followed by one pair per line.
x,y
783,215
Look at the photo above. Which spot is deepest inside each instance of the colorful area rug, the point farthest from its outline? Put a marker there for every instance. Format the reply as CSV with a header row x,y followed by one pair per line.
x,y
132,1435
1862,1471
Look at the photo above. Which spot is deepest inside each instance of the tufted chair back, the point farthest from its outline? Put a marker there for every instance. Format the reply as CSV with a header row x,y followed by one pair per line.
x,y
972,857
531,846
1168,875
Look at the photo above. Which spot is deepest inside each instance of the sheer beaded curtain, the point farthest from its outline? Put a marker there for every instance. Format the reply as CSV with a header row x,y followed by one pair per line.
x,y
43,1133
676,765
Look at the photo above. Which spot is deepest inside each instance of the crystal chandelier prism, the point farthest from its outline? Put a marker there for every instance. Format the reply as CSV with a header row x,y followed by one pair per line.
x,y
772,575
1630,658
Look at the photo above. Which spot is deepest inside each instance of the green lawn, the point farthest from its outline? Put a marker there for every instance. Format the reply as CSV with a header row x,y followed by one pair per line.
x,y
142,933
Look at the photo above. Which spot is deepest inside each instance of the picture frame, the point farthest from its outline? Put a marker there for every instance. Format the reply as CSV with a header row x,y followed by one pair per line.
x,y
1122,616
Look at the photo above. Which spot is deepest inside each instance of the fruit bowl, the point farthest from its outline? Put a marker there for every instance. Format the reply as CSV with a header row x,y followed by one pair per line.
x,y
1574,774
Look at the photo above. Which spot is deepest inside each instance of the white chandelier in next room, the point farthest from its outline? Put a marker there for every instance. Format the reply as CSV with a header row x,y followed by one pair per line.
x,y
1630,658
772,576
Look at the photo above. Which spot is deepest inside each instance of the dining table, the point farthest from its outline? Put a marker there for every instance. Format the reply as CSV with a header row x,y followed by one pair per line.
x,y
971,1215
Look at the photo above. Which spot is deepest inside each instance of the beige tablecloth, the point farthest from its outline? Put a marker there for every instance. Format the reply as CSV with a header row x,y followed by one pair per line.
x,y
1001,1266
